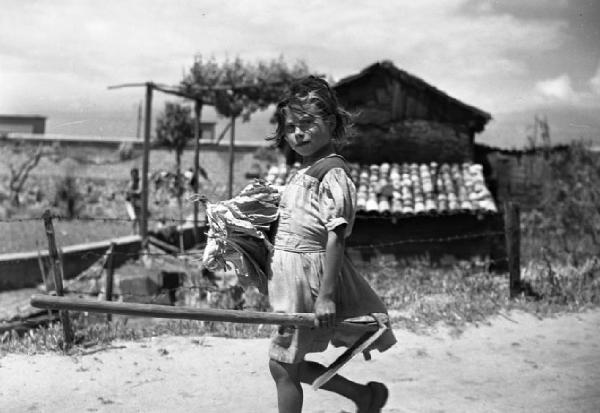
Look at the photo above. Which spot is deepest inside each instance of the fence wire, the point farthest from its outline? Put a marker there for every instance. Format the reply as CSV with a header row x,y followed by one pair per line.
x,y
197,252
193,255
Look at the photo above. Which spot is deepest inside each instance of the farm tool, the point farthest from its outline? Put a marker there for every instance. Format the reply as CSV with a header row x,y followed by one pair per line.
x,y
370,327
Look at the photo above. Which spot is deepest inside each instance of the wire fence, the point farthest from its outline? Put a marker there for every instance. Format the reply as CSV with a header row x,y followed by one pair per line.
x,y
191,283
173,294
197,250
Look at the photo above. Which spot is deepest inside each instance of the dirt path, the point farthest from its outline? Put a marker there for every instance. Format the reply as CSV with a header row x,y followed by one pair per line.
x,y
529,365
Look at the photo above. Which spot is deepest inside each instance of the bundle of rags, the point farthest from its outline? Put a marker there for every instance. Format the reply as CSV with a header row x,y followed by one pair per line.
x,y
238,233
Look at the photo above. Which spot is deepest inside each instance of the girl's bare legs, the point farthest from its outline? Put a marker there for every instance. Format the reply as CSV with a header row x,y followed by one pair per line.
x,y
360,394
289,391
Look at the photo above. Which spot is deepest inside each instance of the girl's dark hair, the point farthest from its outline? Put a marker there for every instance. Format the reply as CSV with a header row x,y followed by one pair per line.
x,y
312,90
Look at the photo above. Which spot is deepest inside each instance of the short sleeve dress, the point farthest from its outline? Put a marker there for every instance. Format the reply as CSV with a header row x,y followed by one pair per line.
x,y
316,200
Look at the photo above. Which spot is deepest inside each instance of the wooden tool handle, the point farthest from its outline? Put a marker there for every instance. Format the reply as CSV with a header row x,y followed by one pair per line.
x,y
204,314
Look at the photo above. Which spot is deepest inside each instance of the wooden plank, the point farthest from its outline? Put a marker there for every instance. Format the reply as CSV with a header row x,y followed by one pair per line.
x,y
163,245
396,102
403,103
204,314
110,273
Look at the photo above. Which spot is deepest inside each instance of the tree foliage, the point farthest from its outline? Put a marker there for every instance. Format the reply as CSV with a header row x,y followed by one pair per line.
x,y
174,130
21,160
174,127
240,88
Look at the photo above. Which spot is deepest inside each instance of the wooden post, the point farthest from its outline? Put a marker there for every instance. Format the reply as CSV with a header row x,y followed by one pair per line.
x,y
147,125
139,121
512,230
110,269
58,276
43,272
42,269
231,156
197,136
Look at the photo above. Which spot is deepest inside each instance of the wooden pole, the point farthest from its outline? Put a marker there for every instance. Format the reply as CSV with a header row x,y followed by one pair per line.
x,y
43,272
512,230
110,270
231,156
205,314
197,136
42,269
147,125
139,121
58,276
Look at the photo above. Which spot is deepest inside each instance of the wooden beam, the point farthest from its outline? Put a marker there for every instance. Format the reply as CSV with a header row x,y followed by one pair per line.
x,y
204,314
197,136
231,157
513,246
163,245
143,222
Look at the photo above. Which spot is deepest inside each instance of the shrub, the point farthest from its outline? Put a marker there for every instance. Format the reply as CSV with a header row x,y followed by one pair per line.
x,y
565,226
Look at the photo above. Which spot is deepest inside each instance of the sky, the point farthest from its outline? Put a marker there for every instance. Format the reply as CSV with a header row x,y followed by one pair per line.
x,y
514,59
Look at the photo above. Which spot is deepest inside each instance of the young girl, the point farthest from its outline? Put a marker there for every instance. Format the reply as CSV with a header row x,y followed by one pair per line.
x,y
309,271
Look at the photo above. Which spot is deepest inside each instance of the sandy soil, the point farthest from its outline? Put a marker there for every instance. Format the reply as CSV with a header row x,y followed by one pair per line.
x,y
523,365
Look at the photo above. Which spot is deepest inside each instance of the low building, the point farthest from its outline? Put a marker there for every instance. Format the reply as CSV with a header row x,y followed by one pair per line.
x,y
401,118
22,124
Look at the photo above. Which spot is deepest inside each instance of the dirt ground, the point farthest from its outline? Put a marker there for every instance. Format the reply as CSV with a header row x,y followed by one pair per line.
x,y
517,363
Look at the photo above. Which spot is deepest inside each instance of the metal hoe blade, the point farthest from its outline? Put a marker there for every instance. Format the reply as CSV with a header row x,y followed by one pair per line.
x,y
359,346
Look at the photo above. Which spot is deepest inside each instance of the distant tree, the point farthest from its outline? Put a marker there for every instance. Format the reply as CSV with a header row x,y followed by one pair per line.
x,y
174,130
238,88
22,158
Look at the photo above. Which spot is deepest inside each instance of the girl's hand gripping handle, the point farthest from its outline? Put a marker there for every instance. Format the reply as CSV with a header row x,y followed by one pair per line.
x,y
324,312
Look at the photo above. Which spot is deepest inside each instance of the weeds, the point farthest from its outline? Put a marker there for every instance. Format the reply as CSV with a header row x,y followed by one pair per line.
x,y
561,273
419,297
92,332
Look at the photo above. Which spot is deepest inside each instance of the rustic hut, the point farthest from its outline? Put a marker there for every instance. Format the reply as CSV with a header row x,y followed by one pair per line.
x,y
401,118
420,190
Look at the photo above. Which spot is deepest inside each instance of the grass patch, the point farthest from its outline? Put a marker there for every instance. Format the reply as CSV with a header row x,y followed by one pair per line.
x,y
420,297
20,236
94,334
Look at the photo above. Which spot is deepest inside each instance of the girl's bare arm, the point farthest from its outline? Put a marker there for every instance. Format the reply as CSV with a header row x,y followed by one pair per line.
x,y
334,252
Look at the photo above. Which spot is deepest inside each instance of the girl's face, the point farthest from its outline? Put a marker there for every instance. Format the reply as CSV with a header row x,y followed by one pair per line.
x,y
308,134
